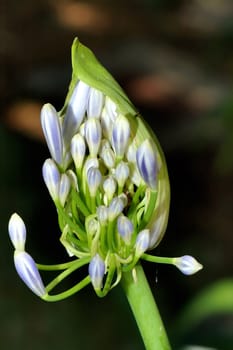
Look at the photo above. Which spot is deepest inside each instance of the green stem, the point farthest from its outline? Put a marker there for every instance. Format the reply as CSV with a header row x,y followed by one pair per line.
x,y
145,310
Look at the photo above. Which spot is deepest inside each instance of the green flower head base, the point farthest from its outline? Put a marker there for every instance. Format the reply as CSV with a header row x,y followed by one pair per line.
x,y
108,179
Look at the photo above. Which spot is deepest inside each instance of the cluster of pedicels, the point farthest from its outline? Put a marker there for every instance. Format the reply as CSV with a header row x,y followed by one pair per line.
x,y
108,180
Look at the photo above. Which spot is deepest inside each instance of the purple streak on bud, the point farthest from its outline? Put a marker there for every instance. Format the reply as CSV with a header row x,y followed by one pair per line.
x,y
122,173
93,135
187,265
52,178
142,242
106,124
64,188
78,150
125,228
102,214
115,208
120,135
52,132
75,111
94,178
96,271
28,272
95,103
147,163
17,232
89,163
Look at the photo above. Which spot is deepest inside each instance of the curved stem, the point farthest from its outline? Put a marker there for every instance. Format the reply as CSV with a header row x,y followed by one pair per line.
x,y
145,310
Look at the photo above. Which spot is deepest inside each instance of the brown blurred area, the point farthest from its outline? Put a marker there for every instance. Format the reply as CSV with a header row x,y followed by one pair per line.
x,y
175,61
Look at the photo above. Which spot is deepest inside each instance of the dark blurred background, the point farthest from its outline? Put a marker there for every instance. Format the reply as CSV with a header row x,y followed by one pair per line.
x,y
175,61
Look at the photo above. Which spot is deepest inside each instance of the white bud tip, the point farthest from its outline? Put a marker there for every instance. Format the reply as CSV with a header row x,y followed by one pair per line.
x,y
17,232
187,265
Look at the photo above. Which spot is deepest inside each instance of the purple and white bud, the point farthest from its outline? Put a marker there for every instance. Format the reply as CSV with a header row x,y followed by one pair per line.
x,y
28,272
93,135
64,188
96,271
187,264
73,179
120,135
52,178
111,109
147,163
17,232
95,103
121,173
52,131
102,214
125,228
89,163
106,124
78,150
94,179
92,227
115,208
109,158
142,242
109,186
75,111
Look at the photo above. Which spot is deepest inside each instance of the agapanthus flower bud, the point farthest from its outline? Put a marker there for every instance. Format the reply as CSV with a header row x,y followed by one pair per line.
x,y
109,158
120,135
78,150
187,264
147,163
52,178
125,228
75,111
17,232
109,186
95,103
28,272
94,178
96,271
52,132
93,135
102,214
115,208
111,109
142,242
64,188
122,173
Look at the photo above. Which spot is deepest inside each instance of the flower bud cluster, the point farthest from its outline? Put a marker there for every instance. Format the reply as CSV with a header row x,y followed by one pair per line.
x,y
108,179
113,171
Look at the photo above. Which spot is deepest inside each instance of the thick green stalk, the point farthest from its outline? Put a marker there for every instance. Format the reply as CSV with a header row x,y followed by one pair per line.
x,y
145,310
